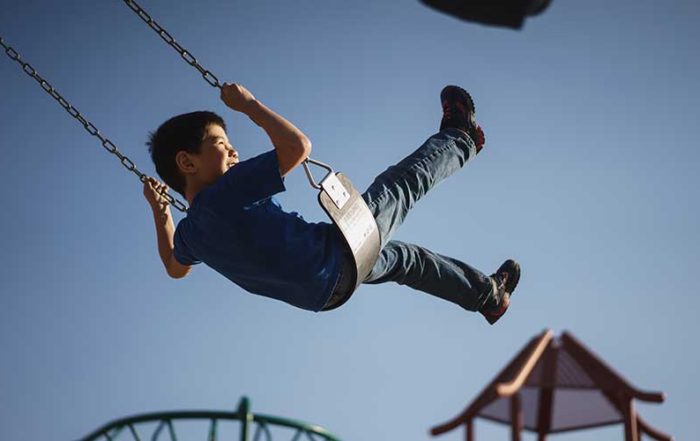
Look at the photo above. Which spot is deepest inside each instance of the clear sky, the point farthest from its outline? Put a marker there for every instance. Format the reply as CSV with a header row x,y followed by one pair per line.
x,y
589,178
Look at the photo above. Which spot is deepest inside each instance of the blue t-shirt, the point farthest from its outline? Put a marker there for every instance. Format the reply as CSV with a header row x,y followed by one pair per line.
x,y
240,230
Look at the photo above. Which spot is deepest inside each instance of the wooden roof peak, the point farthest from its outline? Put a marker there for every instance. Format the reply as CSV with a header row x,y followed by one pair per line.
x,y
549,363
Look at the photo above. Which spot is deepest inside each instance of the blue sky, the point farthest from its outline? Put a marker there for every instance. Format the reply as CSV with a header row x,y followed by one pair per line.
x,y
589,179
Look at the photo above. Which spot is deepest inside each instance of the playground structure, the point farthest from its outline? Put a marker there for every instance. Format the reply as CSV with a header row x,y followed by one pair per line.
x,y
253,427
555,385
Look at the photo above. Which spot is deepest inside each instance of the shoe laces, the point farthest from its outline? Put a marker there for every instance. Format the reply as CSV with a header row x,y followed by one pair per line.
x,y
501,279
500,300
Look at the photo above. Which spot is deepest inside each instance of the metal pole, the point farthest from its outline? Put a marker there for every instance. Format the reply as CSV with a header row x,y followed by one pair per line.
x,y
246,418
516,416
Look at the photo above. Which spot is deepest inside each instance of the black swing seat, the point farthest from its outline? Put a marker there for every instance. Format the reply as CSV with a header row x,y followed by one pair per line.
x,y
345,207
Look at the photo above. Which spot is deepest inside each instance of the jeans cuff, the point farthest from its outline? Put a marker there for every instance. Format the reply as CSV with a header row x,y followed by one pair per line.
x,y
464,136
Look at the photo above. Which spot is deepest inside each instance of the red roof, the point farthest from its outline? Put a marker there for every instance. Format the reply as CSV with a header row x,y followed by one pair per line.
x,y
556,384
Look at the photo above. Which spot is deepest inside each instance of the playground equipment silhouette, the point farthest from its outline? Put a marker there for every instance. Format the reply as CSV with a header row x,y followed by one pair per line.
x,y
555,385
253,427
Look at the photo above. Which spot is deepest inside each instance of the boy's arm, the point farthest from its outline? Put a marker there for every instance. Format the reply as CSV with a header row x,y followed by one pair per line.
x,y
165,229
291,145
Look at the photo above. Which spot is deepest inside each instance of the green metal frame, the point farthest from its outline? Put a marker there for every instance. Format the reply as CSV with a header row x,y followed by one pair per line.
x,y
256,424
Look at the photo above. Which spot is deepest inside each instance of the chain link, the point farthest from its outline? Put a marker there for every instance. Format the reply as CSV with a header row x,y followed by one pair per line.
x,y
186,55
189,58
89,127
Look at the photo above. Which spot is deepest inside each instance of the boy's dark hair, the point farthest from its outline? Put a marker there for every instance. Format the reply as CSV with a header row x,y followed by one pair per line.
x,y
181,132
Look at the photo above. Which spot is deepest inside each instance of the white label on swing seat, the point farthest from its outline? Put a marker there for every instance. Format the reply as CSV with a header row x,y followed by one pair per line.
x,y
335,189
357,224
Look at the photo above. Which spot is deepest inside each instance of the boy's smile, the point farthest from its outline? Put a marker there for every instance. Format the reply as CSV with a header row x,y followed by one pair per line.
x,y
216,155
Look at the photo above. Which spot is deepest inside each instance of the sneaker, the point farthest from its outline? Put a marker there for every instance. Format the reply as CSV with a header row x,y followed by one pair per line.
x,y
504,280
458,112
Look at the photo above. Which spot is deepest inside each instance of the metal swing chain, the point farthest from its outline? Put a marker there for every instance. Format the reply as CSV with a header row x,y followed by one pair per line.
x,y
89,127
206,74
165,35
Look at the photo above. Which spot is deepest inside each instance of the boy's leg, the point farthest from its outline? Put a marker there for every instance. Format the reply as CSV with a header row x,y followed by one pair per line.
x,y
395,191
424,270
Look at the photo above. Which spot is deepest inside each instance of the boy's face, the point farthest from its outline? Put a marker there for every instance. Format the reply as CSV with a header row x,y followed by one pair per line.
x,y
216,155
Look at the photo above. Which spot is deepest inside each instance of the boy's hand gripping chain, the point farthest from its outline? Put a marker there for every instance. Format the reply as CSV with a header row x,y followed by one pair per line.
x,y
89,127
190,59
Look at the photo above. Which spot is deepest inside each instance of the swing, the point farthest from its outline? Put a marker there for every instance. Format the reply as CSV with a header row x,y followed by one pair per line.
x,y
348,211
338,198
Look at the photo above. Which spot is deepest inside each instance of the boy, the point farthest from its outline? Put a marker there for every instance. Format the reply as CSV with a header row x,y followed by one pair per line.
x,y
236,226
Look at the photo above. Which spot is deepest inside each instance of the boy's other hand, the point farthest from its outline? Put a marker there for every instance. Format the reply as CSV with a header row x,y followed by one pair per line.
x,y
236,97
153,192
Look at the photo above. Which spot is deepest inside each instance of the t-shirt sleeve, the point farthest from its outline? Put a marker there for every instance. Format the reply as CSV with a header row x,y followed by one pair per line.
x,y
254,179
180,251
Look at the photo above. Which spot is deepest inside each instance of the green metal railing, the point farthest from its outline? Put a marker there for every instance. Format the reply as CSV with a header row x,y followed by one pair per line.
x,y
253,427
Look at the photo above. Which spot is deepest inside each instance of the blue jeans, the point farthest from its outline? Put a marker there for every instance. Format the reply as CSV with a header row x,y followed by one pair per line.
x,y
390,197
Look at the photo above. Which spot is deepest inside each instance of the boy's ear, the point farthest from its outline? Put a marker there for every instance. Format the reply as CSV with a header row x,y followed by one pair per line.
x,y
184,162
